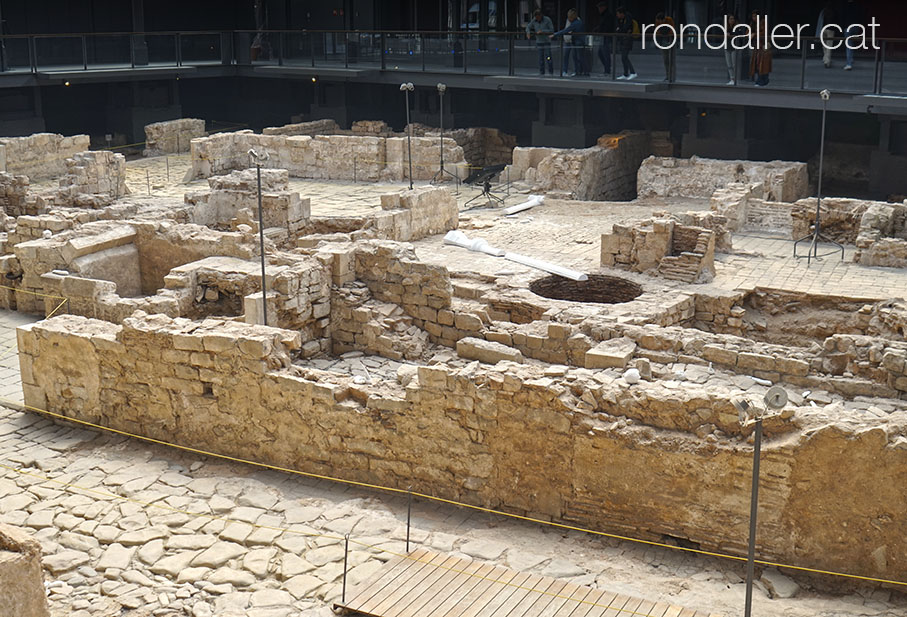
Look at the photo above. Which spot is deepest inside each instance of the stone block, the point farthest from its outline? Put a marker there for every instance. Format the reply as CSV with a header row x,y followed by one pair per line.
x,y
471,348
613,353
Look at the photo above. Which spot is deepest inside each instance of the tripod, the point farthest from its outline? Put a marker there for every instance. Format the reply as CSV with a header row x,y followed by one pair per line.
x,y
439,175
816,236
487,194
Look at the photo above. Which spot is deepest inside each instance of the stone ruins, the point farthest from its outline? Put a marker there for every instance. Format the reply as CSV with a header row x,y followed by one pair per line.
x,y
606,402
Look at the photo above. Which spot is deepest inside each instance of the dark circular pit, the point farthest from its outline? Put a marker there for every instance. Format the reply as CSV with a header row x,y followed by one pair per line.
x,y
599,288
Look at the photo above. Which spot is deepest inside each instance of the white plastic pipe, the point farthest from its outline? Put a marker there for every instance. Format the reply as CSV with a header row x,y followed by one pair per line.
x,y
458,238
478,245
534,200
547,266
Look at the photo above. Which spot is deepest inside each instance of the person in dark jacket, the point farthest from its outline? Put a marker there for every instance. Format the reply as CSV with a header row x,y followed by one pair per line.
x,y
761,58
624,25
574,42
541,28
605,29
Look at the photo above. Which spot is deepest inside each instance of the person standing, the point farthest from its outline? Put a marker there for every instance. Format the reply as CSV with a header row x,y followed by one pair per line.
x,y
826,18
541,27
731,53
573,42
666,54
852,18
605,29
624,25
761,60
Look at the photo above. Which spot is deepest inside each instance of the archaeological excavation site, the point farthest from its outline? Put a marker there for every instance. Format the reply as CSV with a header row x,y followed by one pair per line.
x,y
311,368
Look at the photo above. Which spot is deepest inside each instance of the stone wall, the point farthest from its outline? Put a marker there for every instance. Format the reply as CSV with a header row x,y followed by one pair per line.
x,y
840,217
882,240
313,128
674,251
233,200
698,177
40,156
482,146
21,577
501,436
172,136
327,157
13,194
606,171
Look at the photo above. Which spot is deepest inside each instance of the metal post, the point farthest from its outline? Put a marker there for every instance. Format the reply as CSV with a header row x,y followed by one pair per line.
x,y
167,160
409,514
32,54
754,503
346,51
131,51
815,247
562,57
441,123
312,48
346,551
355,160
422,48
84,53
179,50
613,57
465,53
280,49
407,88
383,48
261,243
148,181
511,70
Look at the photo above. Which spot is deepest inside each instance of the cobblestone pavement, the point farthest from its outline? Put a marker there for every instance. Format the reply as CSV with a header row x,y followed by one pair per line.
x,y
569,233
132,529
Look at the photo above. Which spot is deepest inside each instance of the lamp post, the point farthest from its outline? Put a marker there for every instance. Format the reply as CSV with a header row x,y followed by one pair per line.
x,y
408,87
748,414
259,157
816,236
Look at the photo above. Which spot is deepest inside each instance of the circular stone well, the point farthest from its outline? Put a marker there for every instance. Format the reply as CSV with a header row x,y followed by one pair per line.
x,y
599,288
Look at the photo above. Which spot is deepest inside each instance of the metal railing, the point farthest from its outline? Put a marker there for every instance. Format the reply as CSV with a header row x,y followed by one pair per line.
x,y
601,57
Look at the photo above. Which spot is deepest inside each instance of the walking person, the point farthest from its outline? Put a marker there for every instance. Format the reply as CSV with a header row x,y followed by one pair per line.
x,y
542,28
826,18
852,18
667,55
761,59
574,43
624,25
731,53
605,28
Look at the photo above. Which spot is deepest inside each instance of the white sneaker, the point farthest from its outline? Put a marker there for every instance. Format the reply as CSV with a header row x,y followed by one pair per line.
x,y
847,67
632,76
730,83
622,77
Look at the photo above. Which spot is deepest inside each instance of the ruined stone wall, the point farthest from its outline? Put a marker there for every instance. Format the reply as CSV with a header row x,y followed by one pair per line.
x,y
327,157
674,251
606,171
698,177
93,179
13,194
233,200
172,136
40,156
315,127
482,146
504,436
21,577
840,217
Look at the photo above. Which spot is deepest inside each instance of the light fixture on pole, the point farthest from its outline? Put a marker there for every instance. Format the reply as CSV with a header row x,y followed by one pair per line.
x,y
748,414
408,87
439,177
259,157
816,236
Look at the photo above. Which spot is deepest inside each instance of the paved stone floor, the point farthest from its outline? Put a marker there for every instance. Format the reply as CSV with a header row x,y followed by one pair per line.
x,y
134,529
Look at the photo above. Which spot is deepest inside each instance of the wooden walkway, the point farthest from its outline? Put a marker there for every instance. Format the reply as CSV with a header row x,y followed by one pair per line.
x,y
429,584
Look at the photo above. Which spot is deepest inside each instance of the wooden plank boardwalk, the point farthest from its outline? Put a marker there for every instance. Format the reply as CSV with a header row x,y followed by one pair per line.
x,y
429,584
